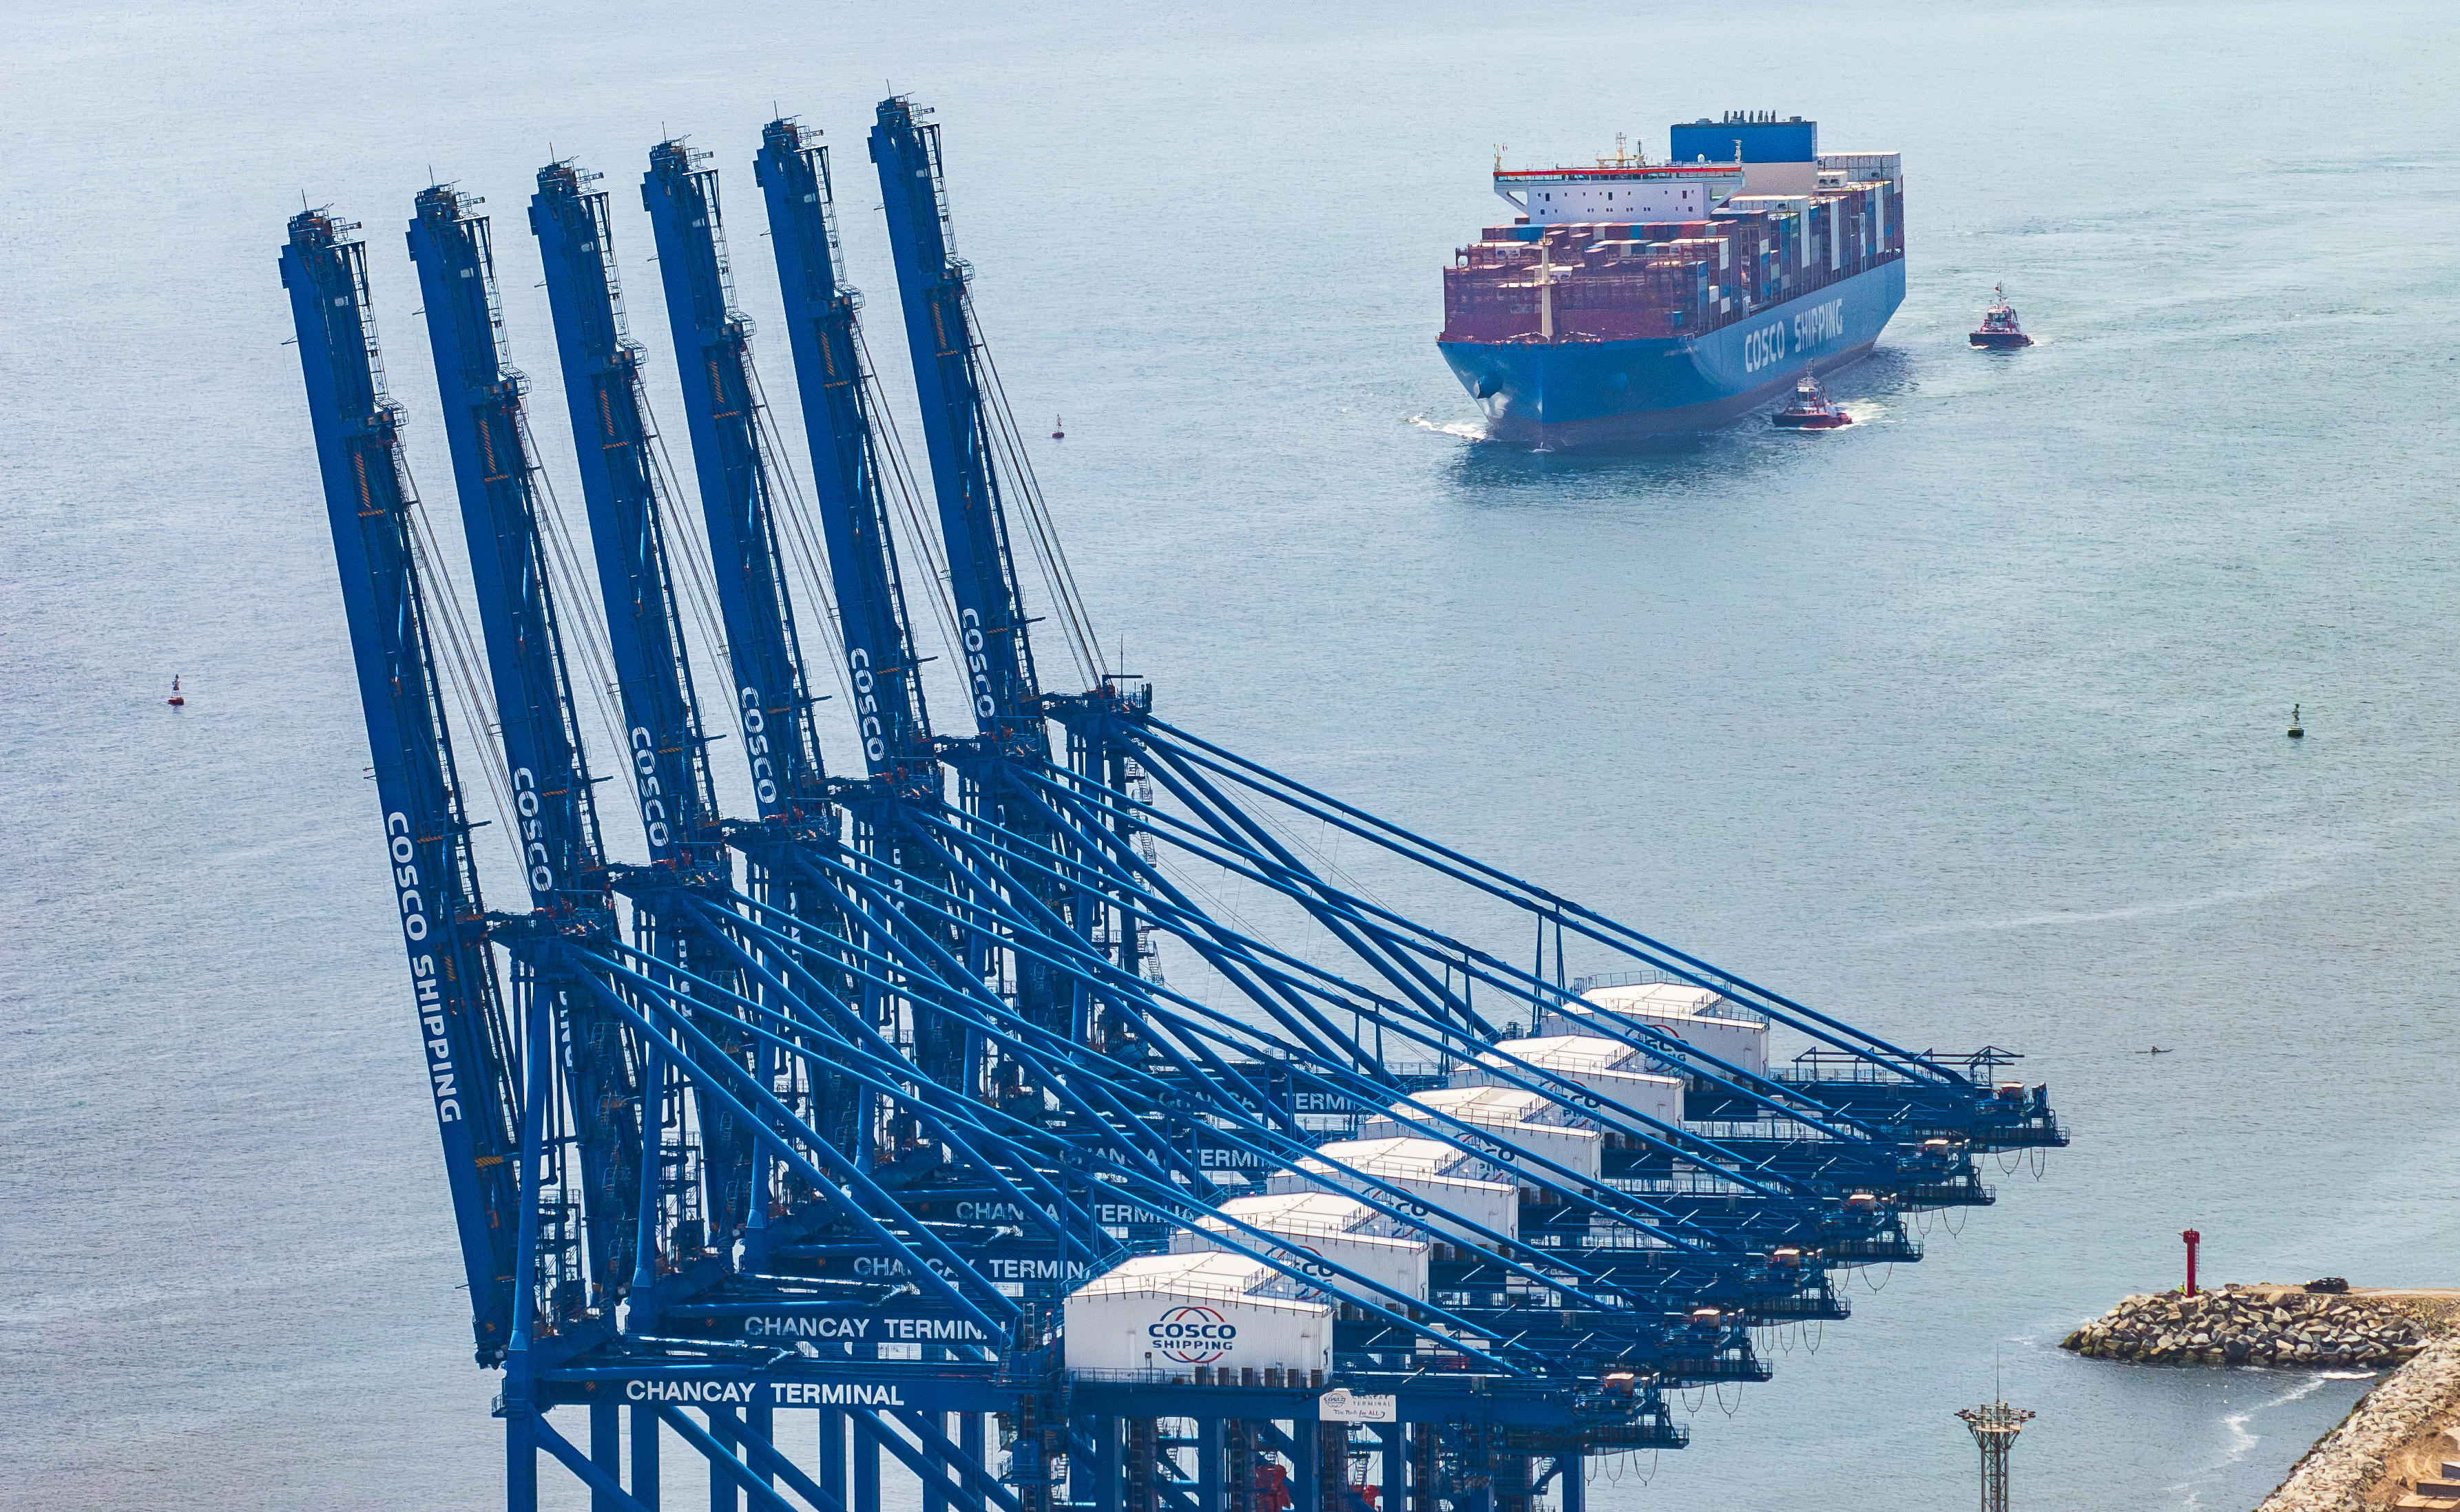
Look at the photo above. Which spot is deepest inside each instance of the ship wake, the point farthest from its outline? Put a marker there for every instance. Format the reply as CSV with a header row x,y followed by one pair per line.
x,y
1465,429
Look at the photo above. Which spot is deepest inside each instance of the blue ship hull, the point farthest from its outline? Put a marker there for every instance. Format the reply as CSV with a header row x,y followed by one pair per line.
x,y
1592,394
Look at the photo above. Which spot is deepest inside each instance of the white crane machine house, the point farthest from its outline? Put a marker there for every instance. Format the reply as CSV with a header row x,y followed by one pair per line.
x,y
1523,1119
1320,1224
1687,1012
1614,1071
1210,1310
1454,1185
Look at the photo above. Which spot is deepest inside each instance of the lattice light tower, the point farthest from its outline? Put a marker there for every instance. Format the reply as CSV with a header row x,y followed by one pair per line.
x,y
1995,1426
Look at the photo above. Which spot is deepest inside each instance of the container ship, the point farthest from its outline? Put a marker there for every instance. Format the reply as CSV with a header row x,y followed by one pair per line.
x,y
1631,299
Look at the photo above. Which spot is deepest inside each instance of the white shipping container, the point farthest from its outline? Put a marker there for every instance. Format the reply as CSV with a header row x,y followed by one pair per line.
x,y
1433,1173
1778,177
1174,1313
1866,165
1767,205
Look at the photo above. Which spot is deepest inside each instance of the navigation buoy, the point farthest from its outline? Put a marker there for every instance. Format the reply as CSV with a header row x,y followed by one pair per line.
x,y
2297,728
175,700
1058,429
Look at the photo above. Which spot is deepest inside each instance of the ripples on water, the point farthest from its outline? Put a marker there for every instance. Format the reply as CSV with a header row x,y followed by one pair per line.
x,y
1964,724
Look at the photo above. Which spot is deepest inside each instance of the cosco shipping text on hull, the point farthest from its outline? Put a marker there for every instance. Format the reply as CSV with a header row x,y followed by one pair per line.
x,y
1633,299
1572,390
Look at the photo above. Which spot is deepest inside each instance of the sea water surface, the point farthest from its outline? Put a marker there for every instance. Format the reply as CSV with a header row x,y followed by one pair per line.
x,y
1964,724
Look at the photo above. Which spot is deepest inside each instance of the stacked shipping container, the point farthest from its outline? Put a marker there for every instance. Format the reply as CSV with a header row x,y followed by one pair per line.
x,y
1617,282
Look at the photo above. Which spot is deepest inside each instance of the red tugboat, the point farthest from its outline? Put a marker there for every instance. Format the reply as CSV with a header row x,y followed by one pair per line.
x,y
1810,409
1999,330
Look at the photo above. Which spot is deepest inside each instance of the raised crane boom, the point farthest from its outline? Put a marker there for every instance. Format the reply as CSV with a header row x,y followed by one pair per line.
x,y
567,873
881,667
741,496
738,488
497,482
1001,683
630,526
962,425
369,502
825,334
628,519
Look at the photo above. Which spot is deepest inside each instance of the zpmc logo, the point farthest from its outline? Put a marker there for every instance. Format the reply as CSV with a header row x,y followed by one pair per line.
x,y
1192,1336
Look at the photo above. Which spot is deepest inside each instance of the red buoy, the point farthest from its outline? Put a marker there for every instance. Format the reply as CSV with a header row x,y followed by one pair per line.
x,y
175,701
1058,429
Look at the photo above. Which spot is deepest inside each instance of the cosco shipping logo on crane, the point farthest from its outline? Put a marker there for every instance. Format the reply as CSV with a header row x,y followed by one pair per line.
x,y
534,851
756,743
1192,1336
442,1081
978,665
404,877
653,805
866,703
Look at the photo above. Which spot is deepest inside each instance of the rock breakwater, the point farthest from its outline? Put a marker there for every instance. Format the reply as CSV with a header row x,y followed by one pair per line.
x,y
2359,1467
2275,1325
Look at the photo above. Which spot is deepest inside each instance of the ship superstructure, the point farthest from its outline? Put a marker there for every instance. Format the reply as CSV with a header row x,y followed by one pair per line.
x,y
1628,298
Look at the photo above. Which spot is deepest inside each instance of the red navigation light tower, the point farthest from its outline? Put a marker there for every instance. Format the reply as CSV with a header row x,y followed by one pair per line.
x,y
2192,1239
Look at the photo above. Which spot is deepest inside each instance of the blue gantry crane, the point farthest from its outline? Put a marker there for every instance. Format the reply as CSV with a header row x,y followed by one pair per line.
x,y
635,538
734,453
908,1129
548,781
473,1073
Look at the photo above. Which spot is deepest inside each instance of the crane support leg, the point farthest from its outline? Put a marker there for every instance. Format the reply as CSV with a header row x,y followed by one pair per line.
x,y
951,1461
935,1477
722,1478
645,1458
605,1448
520,1462
1208,1464
760,1426
866,1463
761,1450
1106,1468
833,1456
